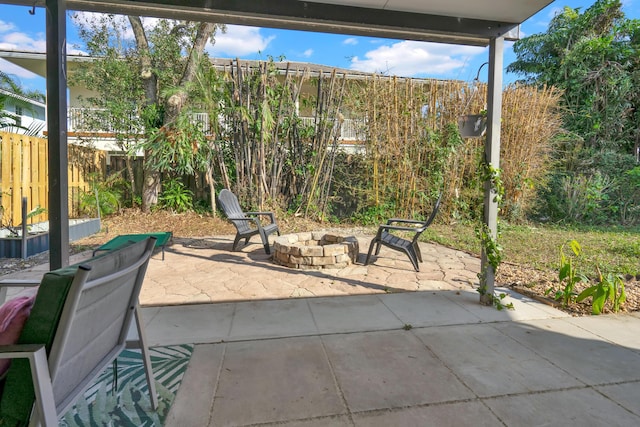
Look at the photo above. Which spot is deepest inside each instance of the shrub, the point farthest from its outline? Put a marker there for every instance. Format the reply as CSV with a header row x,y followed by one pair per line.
x,y
175,197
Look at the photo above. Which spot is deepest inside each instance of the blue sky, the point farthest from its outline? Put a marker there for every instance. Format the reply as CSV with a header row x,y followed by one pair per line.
x,y
23,32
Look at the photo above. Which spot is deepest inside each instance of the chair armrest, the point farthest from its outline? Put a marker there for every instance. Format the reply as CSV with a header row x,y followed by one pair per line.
x,y
37,355
19,351
19,283
269,214
404,221
244,218
400,228
15,283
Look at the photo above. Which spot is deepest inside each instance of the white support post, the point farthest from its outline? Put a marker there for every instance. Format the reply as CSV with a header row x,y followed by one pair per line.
x,y
492,156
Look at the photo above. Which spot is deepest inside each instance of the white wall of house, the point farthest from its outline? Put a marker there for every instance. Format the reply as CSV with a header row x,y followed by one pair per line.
x,y
29,114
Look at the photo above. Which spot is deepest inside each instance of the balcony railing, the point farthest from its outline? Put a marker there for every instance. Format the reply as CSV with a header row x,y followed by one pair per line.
x,y
96,120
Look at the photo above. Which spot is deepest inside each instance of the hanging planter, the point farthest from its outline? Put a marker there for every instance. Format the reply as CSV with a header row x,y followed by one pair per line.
x,y
472,125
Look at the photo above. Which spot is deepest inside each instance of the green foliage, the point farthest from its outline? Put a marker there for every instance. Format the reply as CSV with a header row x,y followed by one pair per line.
x,y
114,76
628,196
593,56
202,206
175,197
375,214
494,252
107,193
609,288
582,197
12,84
490,173
491,249
152,116
600,188
137,79
499,305
568,275
179,147
349,187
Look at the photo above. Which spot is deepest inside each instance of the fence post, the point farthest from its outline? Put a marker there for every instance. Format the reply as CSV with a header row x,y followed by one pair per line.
x,y
24,228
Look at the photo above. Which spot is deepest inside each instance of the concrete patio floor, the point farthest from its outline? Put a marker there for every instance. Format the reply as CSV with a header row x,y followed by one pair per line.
x,y
355,347
432,358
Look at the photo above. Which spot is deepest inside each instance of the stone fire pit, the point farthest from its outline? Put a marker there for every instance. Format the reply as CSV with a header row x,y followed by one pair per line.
x,y
315,250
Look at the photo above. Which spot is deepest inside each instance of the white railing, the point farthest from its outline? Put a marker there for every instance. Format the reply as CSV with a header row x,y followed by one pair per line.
x,y
201,119
96,120
351,129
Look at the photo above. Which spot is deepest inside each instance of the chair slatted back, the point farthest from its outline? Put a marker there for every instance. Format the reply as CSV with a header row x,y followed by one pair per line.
x,y
97,316
434,212
429,220
231,207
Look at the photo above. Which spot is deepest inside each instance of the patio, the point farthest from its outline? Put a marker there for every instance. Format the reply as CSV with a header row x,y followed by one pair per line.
x,y
434,357
398,348
380,355
189,276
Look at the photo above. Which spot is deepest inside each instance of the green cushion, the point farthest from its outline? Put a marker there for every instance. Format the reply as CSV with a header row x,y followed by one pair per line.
x,y
161,239
18,394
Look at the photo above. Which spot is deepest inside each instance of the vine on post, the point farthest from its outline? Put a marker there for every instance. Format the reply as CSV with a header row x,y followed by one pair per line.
x,y
489,242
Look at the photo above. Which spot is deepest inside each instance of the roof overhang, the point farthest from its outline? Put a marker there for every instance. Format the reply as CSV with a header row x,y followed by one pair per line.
x,y
445,21
36,62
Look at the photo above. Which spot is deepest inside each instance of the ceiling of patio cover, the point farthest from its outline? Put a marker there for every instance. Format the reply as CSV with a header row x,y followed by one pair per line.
x,y
448,21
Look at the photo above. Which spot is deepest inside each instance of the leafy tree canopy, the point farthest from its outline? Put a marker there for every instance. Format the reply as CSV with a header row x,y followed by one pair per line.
x,y
143,71
12,84
594,56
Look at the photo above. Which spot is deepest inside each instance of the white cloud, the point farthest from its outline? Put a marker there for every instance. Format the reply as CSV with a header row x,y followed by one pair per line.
x,y
350,41
22,42
554,11
6,26
239,41
307,53
415,59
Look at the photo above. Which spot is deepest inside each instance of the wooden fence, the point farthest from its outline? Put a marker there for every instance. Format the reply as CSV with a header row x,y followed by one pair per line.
x,y
24,172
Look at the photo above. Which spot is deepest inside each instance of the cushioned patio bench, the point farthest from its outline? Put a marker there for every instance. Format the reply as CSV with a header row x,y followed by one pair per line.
x,y
162,238
79,323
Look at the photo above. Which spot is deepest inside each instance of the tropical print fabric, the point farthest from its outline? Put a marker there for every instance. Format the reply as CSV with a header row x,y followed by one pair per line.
x,y
120,397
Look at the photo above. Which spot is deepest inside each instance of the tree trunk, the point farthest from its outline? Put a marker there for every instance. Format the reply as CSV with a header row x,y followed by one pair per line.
x,y
175,103
212,189
151,180
132,178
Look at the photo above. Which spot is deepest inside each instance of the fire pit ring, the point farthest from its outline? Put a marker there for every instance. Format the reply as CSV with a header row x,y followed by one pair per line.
x,y
315,250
